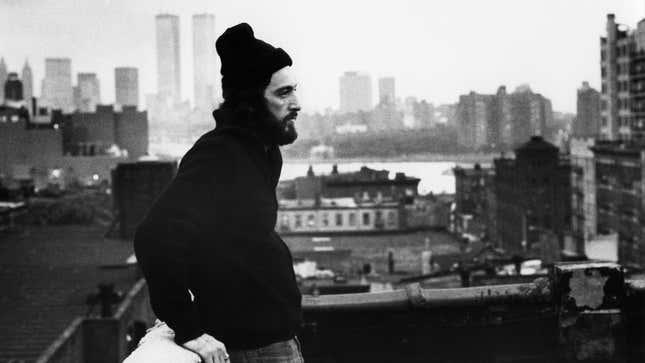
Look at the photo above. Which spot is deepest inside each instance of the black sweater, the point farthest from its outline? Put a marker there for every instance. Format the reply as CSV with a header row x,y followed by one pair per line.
x,y
212,232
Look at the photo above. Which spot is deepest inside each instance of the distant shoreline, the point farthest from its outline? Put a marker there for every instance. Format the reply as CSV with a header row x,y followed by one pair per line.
x,y
457,158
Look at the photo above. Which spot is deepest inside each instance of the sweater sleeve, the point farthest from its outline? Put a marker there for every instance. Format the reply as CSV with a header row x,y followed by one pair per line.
x,y
162,254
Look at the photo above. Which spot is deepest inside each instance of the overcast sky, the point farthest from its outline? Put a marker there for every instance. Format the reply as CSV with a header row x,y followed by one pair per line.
x,y
436,50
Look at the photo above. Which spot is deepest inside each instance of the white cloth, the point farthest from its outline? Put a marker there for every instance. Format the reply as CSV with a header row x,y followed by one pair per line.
x,y
158,346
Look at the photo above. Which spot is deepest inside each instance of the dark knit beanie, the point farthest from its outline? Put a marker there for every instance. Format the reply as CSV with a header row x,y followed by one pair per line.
x,y
247,62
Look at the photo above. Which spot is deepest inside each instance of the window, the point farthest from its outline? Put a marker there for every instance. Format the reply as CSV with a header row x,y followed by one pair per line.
x,y
298,222
311,220
325,220
352,219
391,218
366,218
339,219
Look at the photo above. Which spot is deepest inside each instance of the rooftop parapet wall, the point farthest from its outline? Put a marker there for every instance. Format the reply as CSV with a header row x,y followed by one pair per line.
x,y
581,313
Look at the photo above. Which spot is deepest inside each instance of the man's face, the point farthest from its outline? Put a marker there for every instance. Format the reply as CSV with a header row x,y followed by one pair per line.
x,y
283,106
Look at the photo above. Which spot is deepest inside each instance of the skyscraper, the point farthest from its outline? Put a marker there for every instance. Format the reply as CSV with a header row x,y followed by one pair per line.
x,y
204,61
622,68
3,78
27,83
88,92
587,122
386,90
126,82
473,119
355,92
168,61
531,114
57,84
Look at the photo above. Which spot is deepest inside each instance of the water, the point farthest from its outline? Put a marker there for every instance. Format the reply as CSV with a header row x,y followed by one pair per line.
x,y
435,177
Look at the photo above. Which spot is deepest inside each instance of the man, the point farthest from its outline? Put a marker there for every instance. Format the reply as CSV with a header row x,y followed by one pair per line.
x,y
217,272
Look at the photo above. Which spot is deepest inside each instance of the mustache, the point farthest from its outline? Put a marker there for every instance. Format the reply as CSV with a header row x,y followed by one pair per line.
x,y
291,116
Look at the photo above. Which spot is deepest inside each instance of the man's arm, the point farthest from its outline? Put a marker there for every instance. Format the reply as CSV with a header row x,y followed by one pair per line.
x,y
161,248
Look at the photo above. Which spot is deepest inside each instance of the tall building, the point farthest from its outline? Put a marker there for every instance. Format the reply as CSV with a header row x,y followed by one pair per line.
x,y
27,83
88,92
3,78
622,65
204,61
126,83
637,76
619,198
57,85
500,129
583,188
532,194
386,90
473,118
355,92
502,118
587,121
168,59
531,114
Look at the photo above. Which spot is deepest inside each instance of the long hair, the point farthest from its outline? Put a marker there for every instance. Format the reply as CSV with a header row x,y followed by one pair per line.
x,y
247,105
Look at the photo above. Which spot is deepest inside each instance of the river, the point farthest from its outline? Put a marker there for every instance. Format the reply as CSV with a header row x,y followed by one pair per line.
x,y
435,177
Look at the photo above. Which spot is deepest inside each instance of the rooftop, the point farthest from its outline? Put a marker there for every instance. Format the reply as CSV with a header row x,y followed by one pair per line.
x,y
46,276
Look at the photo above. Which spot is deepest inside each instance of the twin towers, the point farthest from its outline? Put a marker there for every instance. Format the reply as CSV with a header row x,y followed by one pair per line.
x,y
205,74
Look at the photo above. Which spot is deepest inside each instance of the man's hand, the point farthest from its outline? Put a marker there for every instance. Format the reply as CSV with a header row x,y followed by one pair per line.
x,y
208,348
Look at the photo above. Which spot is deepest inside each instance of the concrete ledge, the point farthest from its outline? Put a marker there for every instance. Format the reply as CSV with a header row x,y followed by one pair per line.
x,y
415,297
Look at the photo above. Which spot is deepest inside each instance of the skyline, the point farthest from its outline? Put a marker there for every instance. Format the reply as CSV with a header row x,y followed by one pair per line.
x,y
554,61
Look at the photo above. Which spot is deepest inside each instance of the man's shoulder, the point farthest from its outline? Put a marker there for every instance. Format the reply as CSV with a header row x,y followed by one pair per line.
x,y
212,150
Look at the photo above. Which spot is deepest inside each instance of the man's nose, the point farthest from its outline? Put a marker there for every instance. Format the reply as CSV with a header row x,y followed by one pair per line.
x,y
294,104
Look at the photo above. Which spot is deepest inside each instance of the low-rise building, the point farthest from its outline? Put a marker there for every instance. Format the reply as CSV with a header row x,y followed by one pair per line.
x,y
473,213
337,215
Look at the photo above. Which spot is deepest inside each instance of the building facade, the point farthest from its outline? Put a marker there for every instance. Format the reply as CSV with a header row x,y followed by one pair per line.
x,y
502,119
337,215
619,197
88,94
136,186
622,53
57,85
126,84
531,114
532,196
473,119
583,192
501,127
13,90
355,92
3,78
168,57
386,90
473,212
27,83
205,61
98,133
587,121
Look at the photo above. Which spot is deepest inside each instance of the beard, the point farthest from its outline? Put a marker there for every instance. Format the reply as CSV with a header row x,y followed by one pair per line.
x,y
280,131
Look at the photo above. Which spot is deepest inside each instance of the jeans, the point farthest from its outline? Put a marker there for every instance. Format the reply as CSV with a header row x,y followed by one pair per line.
x,y
287,351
